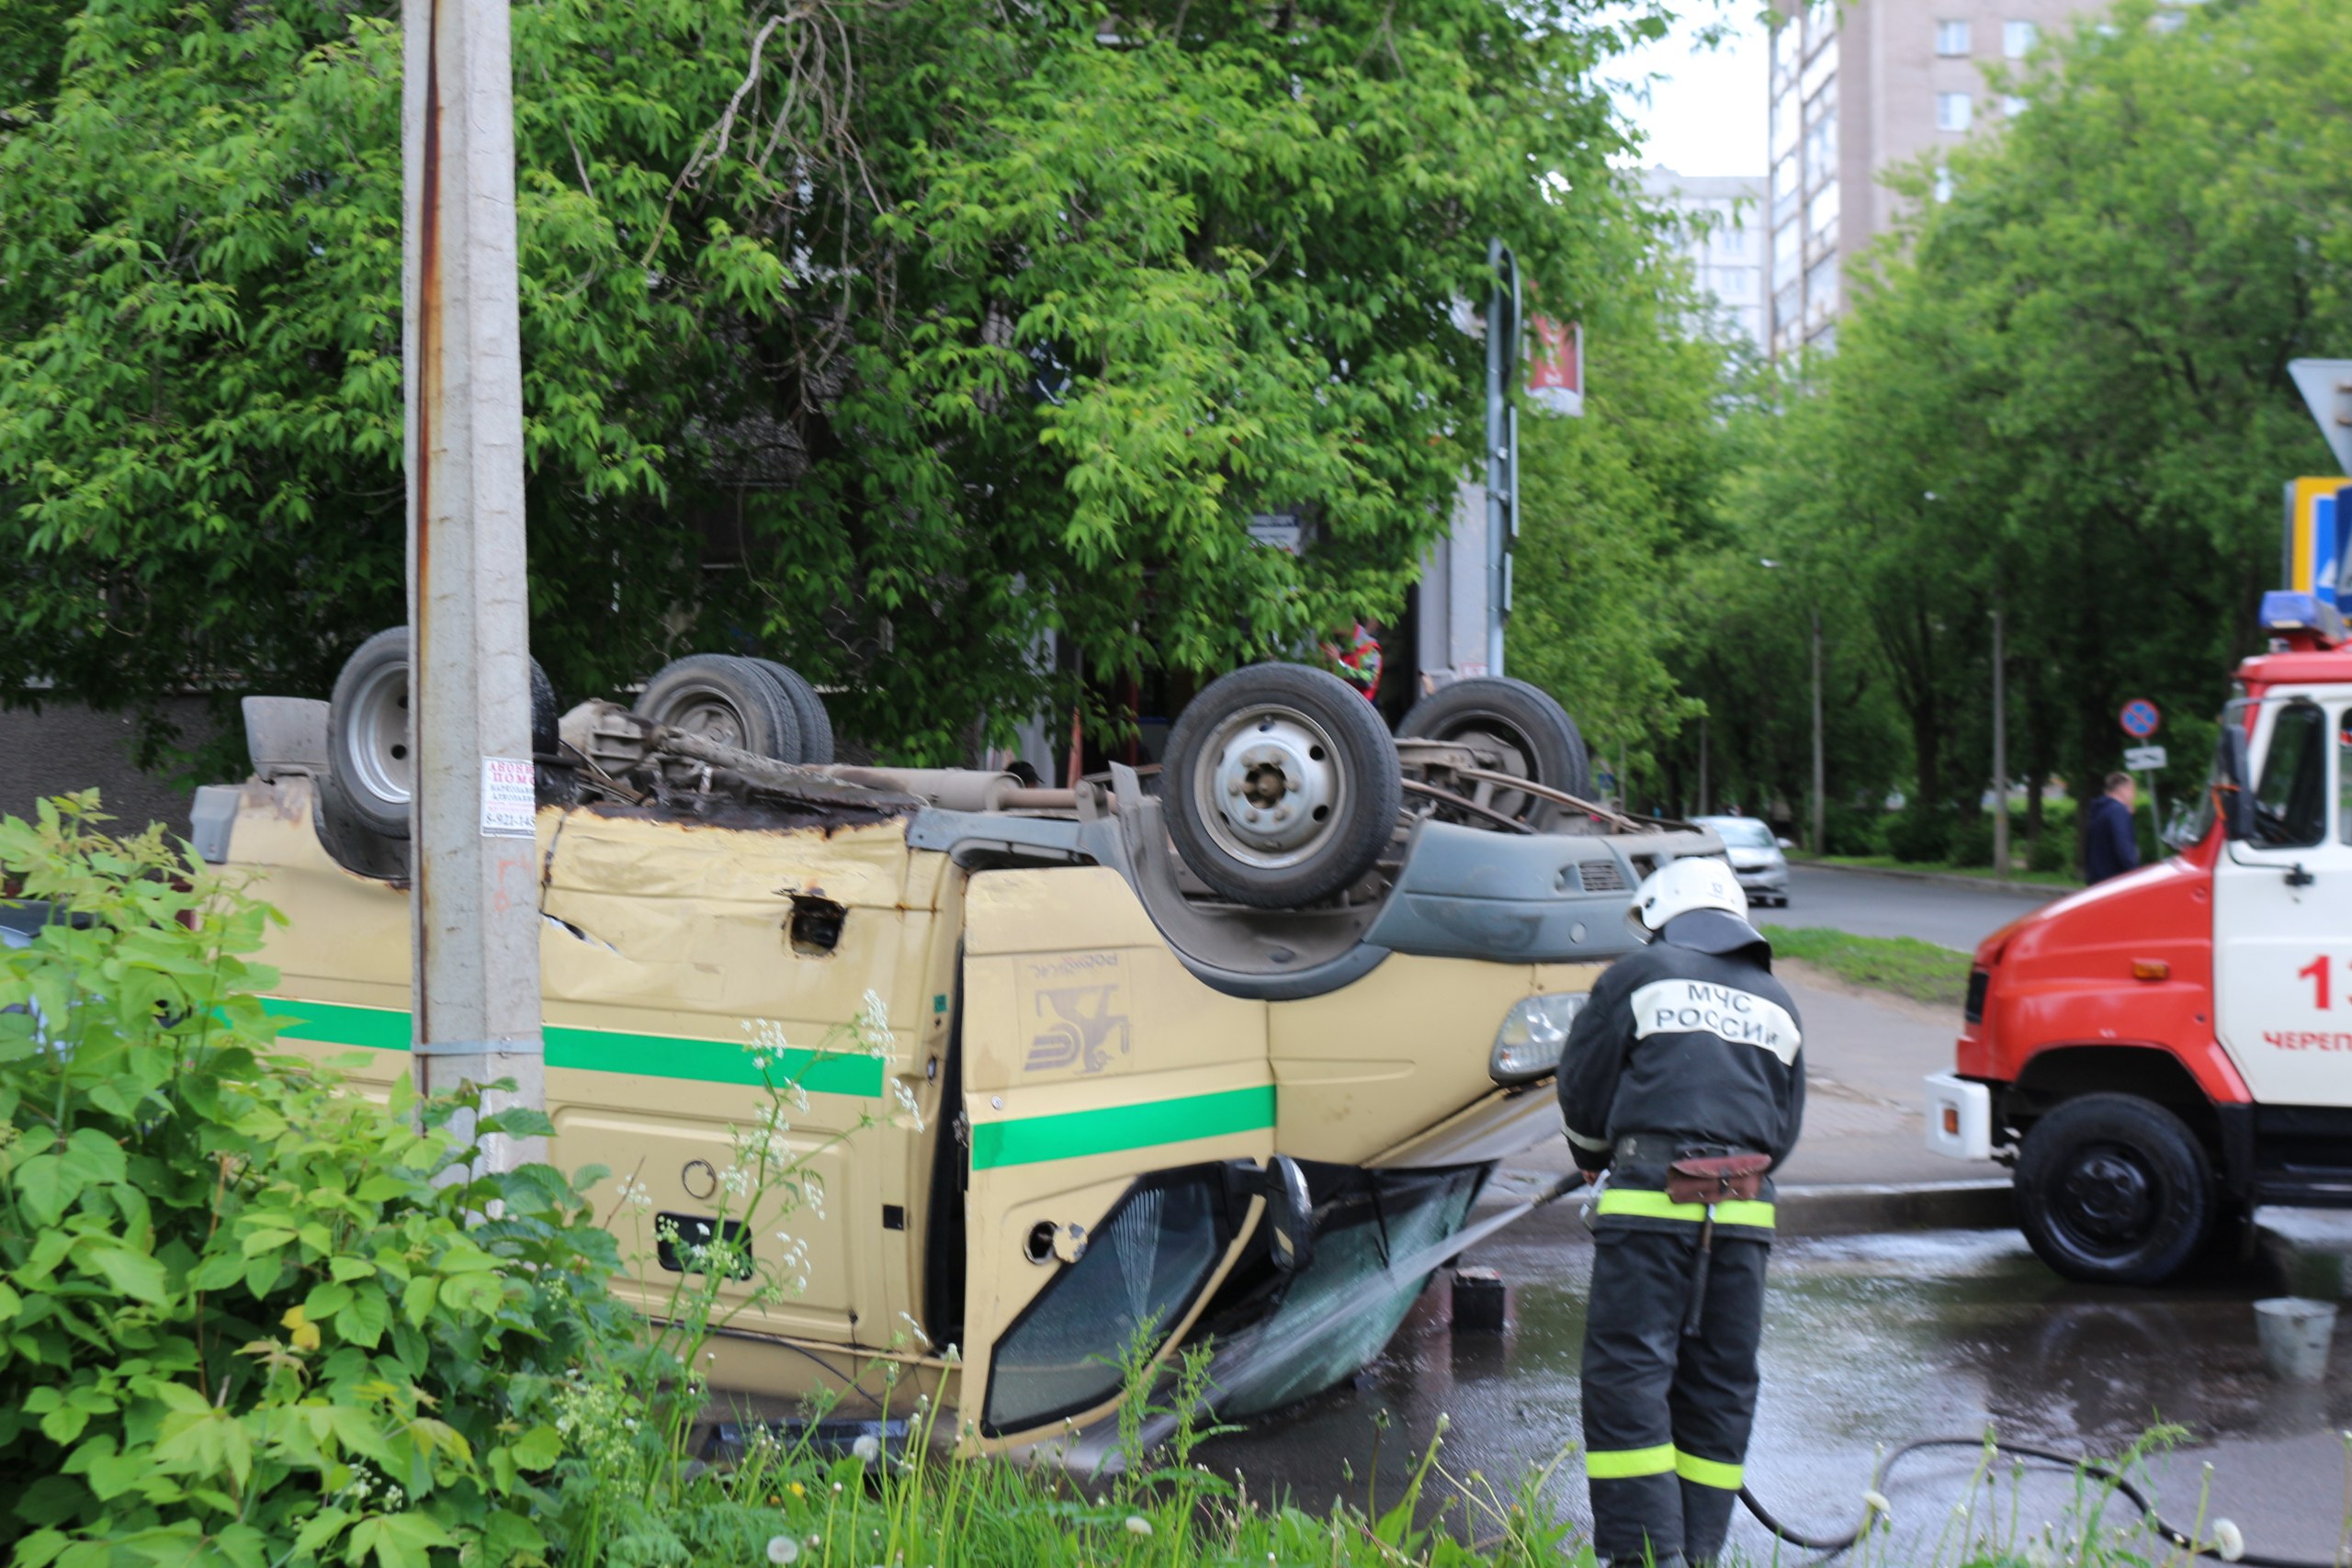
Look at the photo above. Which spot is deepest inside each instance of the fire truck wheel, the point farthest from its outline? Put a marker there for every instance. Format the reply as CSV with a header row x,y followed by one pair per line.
x,y
2114,1190
1283,786
733,701
1532,736
807,711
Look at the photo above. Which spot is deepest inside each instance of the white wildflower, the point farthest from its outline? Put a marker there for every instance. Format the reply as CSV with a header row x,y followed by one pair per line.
x,y
1874,1503
866,1449
783,1549
2229,1540
1137,1524
916,1329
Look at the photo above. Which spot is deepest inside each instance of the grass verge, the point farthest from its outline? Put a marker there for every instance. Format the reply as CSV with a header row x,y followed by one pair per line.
x,y
1903,965
2057,879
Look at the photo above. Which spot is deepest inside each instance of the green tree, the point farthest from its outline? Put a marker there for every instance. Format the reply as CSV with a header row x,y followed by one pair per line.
x,y
1613,503
2063,391
884,337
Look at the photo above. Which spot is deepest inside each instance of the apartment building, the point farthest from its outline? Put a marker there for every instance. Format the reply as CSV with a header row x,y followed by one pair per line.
x,y
1856,88
1721,233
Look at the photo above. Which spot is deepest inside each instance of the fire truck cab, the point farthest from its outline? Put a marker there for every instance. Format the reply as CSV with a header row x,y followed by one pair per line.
x,y
2158,1056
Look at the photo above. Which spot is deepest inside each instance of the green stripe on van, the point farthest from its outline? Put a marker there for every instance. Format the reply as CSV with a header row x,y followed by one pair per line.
x,y
1027,1140
599,1050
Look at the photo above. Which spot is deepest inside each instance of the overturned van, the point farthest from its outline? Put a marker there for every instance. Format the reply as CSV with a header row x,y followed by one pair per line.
x,y
1105,1074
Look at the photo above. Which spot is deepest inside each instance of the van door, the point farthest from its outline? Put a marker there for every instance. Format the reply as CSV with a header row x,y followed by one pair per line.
x,y
1105,1093
2282,910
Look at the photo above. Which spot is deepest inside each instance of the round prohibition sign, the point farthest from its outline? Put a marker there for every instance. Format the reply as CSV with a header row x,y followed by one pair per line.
x,y
2140,718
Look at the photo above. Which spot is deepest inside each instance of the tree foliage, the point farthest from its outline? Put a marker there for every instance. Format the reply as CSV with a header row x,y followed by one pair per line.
x,y
882,336
2063,393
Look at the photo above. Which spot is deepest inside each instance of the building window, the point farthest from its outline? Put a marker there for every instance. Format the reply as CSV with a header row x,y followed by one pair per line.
x,y
1788,247
1821,290
1784,52
1820,215
1785,124
1951,37
1787,305
1952,111
1943,182
2017,38
1822,101
1731,240
1820,23
1817,72
2012,106
1734,284
1784,188
1821,150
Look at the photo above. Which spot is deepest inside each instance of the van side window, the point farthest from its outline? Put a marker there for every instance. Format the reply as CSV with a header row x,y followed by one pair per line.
x,y
2290,804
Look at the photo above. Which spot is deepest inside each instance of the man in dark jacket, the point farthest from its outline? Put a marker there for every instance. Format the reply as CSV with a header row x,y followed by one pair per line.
x,y
1683,1071
2110,846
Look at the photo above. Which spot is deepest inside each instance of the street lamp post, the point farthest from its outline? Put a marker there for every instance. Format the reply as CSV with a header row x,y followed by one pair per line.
x,y
2000,755
1820,767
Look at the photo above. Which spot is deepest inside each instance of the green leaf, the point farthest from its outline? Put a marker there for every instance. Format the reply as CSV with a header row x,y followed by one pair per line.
x,y
325,1300
135,1274
363,1319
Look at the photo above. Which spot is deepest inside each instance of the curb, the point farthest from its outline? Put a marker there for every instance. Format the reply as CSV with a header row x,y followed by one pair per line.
x,y
1830,1210
1949,879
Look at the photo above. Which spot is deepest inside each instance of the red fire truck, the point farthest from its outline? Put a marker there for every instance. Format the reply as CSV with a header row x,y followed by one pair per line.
x,y
2156,1056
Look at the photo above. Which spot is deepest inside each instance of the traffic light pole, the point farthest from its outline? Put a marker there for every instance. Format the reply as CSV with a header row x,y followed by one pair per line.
x,y
474,903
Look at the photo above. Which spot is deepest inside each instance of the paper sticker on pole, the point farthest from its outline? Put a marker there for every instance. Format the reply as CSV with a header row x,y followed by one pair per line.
x,y
2144,758
2140,718
509,798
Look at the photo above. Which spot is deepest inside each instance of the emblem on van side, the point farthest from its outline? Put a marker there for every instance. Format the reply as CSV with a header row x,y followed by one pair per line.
x,y
1078,1023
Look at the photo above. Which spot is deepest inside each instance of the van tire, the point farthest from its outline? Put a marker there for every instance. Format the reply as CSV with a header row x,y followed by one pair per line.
x,y
371,778
1233,755
1537,738
807,711
2114,1190
731,700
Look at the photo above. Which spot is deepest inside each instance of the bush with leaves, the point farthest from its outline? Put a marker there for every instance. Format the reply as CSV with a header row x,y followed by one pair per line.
x,y
247,1315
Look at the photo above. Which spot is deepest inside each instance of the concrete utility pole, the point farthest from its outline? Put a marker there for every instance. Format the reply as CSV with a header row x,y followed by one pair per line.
x,y
1820,769
475,917
2000,755
1702,764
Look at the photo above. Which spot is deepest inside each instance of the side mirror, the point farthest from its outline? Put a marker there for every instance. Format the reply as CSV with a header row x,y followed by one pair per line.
x,y
2232,801
1785,843
1290,1216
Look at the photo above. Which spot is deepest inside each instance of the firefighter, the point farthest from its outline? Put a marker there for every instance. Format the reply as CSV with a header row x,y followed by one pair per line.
x,y
1682,1081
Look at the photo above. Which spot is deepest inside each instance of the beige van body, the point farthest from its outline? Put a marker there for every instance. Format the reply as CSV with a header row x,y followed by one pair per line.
x,y
1078,1093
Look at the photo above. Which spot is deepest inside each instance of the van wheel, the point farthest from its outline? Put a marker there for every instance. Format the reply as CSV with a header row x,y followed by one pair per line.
x,y
371,778
720,697
807,711
371,775
1283,787
1531,734
2114,1190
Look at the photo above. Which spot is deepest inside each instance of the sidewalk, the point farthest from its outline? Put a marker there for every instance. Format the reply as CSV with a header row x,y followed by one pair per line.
x,y
1865,1053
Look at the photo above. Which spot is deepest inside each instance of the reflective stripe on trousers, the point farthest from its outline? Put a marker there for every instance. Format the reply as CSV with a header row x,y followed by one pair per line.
x,y
1626,1464
1636,1203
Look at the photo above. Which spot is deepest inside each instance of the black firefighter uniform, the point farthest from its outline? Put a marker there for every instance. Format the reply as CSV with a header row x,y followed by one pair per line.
x,y
1687,1047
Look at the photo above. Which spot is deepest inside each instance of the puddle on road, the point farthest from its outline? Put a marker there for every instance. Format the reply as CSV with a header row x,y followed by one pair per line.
x,y
1869,1343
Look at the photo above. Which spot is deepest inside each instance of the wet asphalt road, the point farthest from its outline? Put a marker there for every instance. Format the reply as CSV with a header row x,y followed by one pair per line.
x,y
1940,912
1871,1342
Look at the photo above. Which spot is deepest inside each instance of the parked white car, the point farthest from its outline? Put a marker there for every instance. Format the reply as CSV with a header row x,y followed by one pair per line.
x,y
1754,855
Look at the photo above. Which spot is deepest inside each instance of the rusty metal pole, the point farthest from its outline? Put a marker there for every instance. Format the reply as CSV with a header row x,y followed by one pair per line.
x,y
475,917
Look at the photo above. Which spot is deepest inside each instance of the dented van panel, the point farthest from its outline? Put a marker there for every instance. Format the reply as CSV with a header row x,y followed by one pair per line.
x,y
1073,1127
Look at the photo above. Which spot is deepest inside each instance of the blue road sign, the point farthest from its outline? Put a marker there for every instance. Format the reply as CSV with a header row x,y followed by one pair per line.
x,y
2140,718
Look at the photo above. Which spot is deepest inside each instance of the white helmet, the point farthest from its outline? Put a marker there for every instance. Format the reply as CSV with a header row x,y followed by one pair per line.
x,y
1680,887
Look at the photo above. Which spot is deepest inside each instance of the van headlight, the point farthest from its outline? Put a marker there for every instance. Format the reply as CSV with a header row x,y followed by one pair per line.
x,y
1527,1045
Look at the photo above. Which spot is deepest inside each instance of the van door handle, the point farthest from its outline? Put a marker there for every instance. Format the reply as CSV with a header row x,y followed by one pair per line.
x,y
2299,877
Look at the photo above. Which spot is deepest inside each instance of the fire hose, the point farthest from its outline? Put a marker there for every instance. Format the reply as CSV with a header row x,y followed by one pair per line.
x,y
2221,1550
